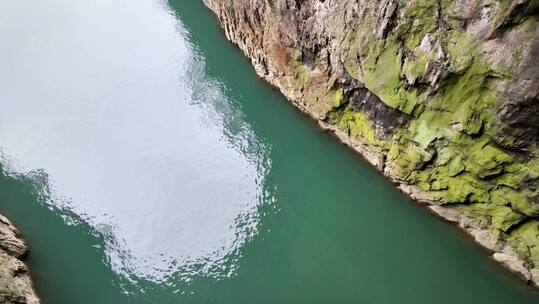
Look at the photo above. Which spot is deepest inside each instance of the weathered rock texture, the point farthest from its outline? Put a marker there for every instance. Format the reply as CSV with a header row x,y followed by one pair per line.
x,y
15,283
440,95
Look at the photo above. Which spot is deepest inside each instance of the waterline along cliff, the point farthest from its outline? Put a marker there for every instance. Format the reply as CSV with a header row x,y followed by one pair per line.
x,y
441,96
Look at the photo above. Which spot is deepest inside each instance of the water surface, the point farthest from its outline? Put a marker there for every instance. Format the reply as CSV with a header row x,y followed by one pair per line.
x,y
146,163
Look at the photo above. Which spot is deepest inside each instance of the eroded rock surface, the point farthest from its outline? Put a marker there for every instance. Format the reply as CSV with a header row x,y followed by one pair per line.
x,y
441,96
15,282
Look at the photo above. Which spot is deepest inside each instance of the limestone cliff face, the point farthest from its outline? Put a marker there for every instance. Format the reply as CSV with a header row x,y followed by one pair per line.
x,y
15,283
440,95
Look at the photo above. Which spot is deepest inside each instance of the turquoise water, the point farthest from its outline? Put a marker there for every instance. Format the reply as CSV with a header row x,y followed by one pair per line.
x,y
145,162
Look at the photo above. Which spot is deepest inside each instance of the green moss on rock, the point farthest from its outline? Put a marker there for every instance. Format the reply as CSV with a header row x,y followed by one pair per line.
x,y
492,216
419,19
525,241
338,98
485,160
358,125
384,79
414,70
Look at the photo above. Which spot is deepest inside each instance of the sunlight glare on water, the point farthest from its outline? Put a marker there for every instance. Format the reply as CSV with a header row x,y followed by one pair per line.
x,y
129,133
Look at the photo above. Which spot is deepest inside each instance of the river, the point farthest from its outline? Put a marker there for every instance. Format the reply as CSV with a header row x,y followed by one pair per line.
x,y
145,162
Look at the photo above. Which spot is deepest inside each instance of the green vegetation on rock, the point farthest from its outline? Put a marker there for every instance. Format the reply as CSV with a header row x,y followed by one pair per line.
x,y
450,149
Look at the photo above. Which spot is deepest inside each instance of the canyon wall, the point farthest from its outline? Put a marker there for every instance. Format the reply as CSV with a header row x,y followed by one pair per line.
x,y
441,96
15,282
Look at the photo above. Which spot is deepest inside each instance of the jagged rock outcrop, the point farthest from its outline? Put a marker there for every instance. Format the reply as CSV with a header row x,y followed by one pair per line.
x,y
15,282
441,96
